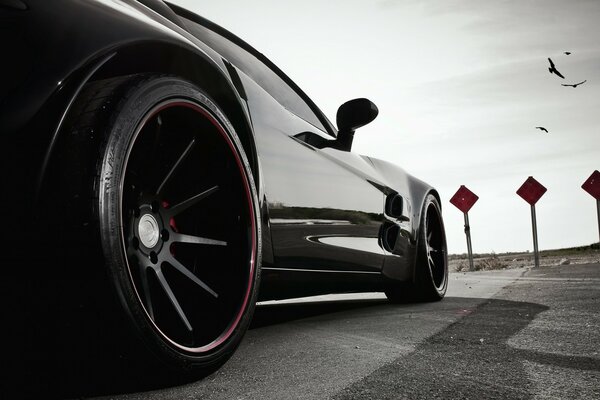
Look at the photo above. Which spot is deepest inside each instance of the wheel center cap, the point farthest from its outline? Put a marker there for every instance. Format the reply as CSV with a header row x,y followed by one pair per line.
x,y
148,230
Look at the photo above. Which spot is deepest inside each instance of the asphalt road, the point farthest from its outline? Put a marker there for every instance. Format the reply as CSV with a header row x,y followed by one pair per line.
x,y
503,334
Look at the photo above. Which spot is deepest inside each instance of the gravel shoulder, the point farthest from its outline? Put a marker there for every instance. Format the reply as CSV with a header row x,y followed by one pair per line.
x,y
488,262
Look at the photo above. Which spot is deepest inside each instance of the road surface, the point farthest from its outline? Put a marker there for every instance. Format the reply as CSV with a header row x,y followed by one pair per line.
x,y
522,334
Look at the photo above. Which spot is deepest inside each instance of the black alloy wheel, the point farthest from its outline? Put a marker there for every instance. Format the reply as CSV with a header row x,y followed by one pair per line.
x,y
178,218
433,253
430,281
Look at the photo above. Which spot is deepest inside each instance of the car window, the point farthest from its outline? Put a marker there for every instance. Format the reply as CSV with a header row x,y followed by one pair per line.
x,y
262,74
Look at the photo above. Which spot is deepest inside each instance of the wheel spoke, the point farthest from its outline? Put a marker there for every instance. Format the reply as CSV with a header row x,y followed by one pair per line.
x,y
184,205
429,248
190,275
146,290
181,238
431,262
143,271
165,285
173,169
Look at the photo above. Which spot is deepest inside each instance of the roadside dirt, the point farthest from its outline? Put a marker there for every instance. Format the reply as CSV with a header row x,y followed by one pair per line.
x,y
460,263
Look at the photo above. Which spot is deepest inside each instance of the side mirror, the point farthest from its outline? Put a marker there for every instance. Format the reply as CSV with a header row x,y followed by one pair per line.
x,y
350,116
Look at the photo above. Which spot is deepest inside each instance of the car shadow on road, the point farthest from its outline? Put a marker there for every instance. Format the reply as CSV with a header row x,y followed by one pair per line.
x,y
60,341
471,359
79,354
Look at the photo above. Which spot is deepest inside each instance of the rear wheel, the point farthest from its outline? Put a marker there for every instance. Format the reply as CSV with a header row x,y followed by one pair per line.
x,y
431,270
178,220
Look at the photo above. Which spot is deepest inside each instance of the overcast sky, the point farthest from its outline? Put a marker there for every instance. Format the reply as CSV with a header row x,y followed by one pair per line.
x,y
460,87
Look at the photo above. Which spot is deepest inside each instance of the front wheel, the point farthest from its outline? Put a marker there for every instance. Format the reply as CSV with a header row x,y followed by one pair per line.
x,y
431,269
178,217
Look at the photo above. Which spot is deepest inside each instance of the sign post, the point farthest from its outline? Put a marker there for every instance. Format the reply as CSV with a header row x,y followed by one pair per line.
x,y
536,254
531,191
469,247
592,186
464,199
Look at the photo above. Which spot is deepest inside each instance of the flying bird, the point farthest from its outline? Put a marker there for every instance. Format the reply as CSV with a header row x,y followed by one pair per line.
x,y
567,52
575,84
541,128
553,69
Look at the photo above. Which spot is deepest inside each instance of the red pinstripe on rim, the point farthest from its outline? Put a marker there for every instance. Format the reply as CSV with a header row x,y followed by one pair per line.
x,y
235,321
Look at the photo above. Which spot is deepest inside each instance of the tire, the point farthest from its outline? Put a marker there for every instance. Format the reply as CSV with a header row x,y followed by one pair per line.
x,y
431,268
177,216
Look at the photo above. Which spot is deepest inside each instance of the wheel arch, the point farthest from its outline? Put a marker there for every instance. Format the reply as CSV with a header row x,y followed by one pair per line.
x,y
425,194
435,194
165,58
420,191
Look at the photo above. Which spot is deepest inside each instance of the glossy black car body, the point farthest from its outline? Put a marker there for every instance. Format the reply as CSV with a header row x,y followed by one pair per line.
x,y
332,220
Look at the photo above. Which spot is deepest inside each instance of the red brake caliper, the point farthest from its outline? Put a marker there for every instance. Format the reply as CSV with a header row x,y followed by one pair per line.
x,y
172,224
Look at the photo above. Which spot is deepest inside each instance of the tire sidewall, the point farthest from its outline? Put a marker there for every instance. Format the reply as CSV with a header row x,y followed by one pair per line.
x,y
128,116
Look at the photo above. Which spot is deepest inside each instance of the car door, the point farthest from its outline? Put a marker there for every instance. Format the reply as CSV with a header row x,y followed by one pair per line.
x,y
325,207
323,215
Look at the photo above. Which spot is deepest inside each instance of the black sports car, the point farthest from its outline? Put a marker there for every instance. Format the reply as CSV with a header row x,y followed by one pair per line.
x,y
152,156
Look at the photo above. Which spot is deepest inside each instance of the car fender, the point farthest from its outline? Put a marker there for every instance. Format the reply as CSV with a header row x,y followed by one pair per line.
x,y
49,67
414,191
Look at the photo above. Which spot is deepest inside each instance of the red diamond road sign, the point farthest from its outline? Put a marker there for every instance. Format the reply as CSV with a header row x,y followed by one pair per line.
x,y
464,199
592,185
531,191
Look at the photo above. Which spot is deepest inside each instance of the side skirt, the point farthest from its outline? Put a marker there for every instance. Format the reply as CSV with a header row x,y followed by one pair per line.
x,y
286,283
